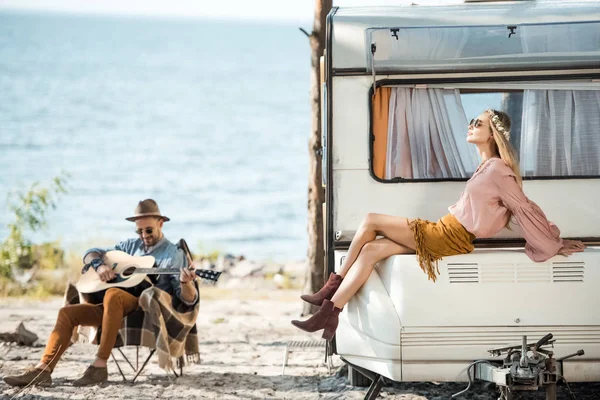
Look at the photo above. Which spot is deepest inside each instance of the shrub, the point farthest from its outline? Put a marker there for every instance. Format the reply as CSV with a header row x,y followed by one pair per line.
x,y
30,209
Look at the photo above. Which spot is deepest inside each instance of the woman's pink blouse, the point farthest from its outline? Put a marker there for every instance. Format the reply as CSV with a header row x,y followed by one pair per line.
x,y
490,196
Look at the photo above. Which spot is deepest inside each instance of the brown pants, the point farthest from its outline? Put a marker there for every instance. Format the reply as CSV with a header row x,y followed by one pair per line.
x,y
117,304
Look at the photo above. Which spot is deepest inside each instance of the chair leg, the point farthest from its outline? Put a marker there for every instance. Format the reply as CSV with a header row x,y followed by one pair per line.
x,y
178,364
118,366
127,359
143,366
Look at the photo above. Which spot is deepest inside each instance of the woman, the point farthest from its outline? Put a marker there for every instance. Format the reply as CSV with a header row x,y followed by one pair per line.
x,y
492,195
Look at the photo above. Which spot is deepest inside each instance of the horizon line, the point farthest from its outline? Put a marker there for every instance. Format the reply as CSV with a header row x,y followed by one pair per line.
x,y
158,16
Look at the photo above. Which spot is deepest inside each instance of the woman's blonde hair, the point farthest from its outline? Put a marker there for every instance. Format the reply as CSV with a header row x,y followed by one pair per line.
x,y
500,124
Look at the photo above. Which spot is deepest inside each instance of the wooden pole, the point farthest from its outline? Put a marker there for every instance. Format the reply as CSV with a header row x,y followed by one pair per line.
x,y
316,195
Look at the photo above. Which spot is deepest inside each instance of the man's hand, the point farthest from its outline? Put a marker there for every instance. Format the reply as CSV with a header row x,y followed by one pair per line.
x,y
105,273
570,247
186,275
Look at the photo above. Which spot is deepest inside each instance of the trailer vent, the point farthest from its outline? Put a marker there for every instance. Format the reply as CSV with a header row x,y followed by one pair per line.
x,y
498,273
515,273
463,272
557,272
568,271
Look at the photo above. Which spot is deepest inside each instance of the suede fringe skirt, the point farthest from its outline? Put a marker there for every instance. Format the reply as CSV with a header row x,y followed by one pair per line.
x,y
434,240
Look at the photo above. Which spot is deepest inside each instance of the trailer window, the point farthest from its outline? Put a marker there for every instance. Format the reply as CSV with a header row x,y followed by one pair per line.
x,y
422,132
483,47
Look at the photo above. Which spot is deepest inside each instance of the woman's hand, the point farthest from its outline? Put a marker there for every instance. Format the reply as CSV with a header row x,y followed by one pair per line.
x,y
570,247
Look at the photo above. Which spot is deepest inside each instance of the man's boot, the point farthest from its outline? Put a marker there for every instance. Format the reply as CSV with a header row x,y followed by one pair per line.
x,y
326,318
31,376
92,376
326,292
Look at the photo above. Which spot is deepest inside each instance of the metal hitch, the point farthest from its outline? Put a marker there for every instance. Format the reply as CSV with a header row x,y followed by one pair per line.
x,y
526,367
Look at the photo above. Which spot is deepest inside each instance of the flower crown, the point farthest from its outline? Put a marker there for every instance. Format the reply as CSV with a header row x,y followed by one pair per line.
x,y
497,124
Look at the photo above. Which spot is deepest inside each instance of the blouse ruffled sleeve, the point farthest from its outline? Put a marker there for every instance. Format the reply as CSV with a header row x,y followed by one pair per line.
x,y
542,236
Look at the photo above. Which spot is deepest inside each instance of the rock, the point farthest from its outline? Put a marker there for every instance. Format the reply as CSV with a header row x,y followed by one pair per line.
x,y
21,336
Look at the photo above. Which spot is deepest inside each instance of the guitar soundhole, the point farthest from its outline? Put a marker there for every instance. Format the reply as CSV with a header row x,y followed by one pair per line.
x,y
128,271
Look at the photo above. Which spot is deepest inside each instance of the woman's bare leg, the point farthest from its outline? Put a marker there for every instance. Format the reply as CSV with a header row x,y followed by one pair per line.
x,y
392,227
371,253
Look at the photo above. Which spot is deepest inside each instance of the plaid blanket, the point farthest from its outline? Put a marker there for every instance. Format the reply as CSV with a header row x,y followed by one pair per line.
x,y
161,322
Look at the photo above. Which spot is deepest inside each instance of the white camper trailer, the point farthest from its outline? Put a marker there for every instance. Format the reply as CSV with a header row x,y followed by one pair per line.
x,y
400,85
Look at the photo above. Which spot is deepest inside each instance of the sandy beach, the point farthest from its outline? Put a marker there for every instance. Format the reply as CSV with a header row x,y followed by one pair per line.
x,y
243,334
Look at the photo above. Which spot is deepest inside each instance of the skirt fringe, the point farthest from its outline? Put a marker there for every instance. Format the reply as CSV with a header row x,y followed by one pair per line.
x,y
435,240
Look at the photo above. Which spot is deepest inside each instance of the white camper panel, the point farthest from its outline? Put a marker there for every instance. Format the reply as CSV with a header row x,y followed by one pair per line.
x,y
403,326
409,329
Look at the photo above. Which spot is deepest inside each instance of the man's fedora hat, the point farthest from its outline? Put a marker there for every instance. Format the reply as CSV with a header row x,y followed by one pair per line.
x,y
147,208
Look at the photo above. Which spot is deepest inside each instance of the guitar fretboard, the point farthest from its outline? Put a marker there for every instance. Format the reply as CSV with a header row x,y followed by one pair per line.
x,y
202,273
156,271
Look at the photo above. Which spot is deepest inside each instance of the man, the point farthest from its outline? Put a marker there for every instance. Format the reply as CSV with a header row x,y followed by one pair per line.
x,y
116,302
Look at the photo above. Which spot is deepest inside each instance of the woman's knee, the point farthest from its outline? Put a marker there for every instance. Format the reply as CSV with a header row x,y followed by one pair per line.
x,y
371,251
377,250
370,222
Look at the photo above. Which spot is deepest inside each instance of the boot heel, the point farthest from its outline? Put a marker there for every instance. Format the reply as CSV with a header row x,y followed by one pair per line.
x,y
332,324
326,318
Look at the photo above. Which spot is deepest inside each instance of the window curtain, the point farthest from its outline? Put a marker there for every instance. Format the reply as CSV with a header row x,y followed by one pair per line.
x,y
380,113
427,135
560,133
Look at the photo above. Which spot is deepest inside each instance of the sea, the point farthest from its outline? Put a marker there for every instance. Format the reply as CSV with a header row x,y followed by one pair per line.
x,y
209,118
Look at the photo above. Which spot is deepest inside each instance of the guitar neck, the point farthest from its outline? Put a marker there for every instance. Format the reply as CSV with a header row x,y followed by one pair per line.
x,y
156,271
201,273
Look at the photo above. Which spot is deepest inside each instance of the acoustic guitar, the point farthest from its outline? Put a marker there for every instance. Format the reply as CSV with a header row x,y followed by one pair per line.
x,y
130,271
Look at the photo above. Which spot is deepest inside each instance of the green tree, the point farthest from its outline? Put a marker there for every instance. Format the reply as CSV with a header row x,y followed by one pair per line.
x,y
30,209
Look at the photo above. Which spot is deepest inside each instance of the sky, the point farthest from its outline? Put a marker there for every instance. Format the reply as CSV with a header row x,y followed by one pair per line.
x,y
278,10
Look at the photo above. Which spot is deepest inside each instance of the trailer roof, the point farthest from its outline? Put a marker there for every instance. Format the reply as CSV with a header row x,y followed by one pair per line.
x,y
466,13
353,27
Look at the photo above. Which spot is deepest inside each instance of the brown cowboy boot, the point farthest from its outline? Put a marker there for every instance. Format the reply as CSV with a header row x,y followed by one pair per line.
x,y
31,376
326,318
326,292
92,376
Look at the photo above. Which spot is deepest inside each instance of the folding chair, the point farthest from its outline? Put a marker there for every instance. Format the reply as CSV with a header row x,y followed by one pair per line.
x,y
72,296
138,315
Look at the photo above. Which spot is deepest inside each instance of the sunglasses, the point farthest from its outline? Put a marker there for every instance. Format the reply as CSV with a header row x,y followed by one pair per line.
x,y
475,123
147,230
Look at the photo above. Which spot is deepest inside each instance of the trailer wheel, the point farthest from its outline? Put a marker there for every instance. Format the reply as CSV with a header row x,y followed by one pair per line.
x,y
355,378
